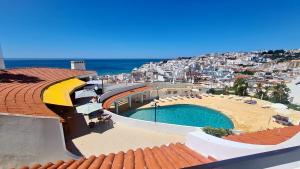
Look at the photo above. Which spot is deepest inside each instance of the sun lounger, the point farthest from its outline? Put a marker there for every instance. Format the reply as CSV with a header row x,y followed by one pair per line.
x,y
162,100
266,106
169,99
282,120
198,96
180,97
175,98
250,101
238,98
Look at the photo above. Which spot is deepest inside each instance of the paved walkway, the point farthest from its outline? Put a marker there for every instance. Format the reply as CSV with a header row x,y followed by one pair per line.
x,y
112,138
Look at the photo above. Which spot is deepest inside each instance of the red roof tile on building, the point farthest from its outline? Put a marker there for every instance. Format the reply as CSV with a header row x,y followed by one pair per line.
x,y
164,157
21,89
266,137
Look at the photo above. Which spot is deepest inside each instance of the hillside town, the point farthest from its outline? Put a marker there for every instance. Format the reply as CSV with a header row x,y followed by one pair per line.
x,y
220,70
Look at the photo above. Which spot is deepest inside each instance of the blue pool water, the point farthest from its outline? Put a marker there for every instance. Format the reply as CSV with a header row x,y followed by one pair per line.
x,y
183,114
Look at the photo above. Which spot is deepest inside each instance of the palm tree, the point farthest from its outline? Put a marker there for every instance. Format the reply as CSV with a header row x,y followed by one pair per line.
x,y
259,91
280,93
226,90
240,87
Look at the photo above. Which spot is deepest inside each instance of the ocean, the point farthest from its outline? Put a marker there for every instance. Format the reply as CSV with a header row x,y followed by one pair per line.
x,y
102,66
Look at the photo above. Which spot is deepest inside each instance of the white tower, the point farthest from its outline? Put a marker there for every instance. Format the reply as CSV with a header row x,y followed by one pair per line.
x,y
2,65
78,65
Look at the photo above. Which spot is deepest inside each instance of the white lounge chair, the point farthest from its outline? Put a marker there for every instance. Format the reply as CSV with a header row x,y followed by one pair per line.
x,y
169,99
180,97
162,100
175,98
266,106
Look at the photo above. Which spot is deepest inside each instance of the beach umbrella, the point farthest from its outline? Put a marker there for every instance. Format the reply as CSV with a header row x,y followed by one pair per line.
x,y
85,93
89,108
94,82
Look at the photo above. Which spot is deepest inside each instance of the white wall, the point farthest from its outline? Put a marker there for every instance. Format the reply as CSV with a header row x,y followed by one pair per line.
x,y
149,125
295,89
225,149
25,140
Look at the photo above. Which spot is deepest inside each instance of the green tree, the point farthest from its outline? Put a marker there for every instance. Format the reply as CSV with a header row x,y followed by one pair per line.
x,y
280,93
247,72
261,92
211,90
226,90
240,87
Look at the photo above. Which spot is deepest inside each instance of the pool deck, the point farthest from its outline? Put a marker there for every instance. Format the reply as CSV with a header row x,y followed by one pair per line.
x,y
114,137
245,117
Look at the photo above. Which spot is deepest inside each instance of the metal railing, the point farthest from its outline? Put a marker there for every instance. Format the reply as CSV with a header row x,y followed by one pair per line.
x,y
282,158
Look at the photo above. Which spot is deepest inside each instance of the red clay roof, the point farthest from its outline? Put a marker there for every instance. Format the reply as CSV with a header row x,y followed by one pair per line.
x,y
21,89
163,157
266,137
109,101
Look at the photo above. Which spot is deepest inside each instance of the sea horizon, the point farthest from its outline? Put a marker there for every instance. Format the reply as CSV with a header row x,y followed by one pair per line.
x,y
103,66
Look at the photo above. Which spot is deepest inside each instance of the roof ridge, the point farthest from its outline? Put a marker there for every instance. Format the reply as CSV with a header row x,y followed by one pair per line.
x,y
164,157
268,137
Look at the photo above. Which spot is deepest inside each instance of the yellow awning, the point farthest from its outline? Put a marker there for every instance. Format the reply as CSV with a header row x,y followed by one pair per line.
x,y
59,93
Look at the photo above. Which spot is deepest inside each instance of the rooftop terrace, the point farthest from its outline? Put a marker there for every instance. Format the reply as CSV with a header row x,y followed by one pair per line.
x,y
21,89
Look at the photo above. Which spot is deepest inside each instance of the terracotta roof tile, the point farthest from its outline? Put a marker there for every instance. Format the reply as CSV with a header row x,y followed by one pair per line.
x,y
139,159
97,162
21,89
165,157
266,137
129,160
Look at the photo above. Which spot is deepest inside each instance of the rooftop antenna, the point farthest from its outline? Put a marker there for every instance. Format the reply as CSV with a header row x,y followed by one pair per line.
x,y
2,65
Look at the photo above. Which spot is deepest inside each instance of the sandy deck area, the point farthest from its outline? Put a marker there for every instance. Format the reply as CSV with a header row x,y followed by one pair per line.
x,y
120,138
245,117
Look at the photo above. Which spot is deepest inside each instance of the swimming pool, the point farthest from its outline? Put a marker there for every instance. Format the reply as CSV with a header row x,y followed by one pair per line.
x,y
183,114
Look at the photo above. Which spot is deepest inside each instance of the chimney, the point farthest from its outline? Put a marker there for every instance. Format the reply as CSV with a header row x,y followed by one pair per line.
x,y
2,65
78,65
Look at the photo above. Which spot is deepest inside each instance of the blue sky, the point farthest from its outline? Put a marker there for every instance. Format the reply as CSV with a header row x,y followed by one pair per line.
x,y
145,29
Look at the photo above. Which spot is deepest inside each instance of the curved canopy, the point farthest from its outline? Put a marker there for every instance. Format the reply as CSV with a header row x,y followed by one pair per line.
x,y
85,93
59,93
89,108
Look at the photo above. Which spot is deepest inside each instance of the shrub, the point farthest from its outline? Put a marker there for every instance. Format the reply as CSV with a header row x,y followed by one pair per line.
x,y
211,90
218,132
294,106
217,91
